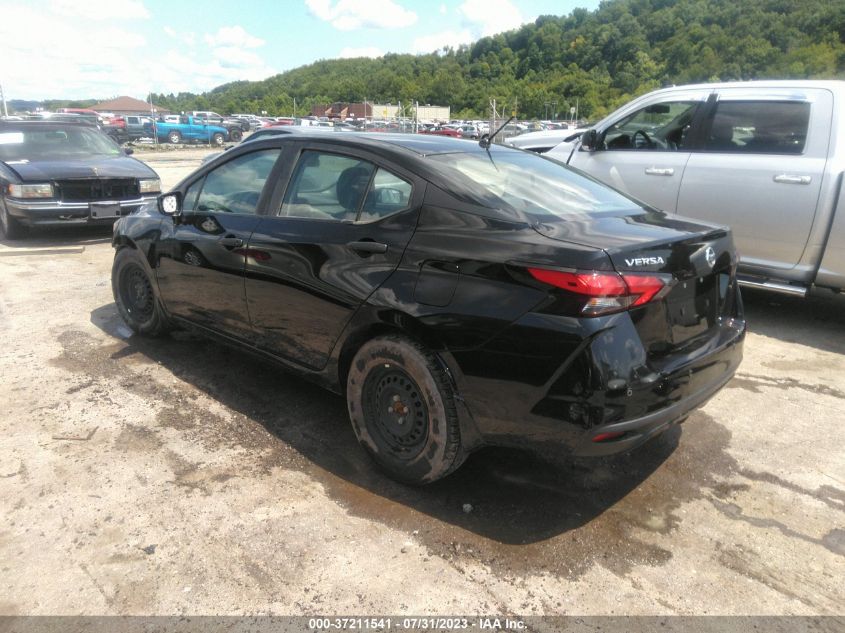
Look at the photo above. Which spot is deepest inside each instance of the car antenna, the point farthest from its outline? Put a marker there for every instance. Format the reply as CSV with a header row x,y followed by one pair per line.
x,y
486,139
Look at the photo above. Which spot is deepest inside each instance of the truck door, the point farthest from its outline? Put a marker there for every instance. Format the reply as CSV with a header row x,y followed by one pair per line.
x,y
644,151
759,170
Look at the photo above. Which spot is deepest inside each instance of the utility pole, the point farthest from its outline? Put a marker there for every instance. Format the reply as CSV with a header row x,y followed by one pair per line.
x,y
416,116
3,99
294,107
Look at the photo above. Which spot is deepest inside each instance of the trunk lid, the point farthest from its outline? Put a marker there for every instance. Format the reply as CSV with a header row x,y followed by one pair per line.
x,y
697,261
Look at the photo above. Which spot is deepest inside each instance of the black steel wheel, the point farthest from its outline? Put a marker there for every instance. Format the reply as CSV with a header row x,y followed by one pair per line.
x,y
402,408
12,229
135,296
235,134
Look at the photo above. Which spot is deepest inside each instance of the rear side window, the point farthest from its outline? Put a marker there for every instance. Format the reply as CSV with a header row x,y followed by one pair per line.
x,y
758,127
387,195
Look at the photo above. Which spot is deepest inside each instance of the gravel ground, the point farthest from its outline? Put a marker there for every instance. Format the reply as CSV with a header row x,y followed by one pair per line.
x,y
177,476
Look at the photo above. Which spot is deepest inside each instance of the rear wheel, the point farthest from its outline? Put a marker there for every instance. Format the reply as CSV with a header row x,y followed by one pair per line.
x,y
401,404
174,137
11,228
218,139
134,295
235,135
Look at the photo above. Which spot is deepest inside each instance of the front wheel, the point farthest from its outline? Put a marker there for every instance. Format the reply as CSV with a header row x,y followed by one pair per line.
x,y
402,408
174,137
11,228
134,295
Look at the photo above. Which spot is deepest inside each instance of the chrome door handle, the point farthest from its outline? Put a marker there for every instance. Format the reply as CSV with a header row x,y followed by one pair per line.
x,y
659,171
230,242
367,246
789,179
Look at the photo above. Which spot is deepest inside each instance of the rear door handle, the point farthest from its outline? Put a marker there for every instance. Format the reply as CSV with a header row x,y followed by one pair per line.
x,y
230,242
368,247
659,171
789,179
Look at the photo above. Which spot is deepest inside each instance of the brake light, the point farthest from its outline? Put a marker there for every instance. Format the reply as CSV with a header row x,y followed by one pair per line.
x,y
606,292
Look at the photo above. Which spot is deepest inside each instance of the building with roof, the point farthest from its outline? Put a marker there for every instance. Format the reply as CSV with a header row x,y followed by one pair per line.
x,y
128,105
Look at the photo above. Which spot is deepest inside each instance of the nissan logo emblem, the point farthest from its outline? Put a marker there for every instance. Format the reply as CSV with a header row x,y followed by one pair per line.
x,y
710,256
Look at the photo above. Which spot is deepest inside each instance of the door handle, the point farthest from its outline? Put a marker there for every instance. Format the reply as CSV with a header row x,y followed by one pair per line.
x,y
789,179
659,171
367,246
230,242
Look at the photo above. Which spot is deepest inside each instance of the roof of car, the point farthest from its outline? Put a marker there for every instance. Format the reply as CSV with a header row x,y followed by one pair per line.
x,y
422,145
46,123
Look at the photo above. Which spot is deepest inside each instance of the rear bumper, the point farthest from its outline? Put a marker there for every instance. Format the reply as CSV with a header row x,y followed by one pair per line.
x,y
561,401
639,430
57,213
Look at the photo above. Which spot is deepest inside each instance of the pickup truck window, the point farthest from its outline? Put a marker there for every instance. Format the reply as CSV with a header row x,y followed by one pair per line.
x,y
659,126
758,127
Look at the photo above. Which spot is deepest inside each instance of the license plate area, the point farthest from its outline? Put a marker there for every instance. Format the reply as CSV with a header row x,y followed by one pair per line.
x,y
693,307
100,211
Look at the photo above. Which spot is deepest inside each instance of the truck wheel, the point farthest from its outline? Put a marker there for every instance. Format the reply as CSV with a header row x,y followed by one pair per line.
x,y
174,137
218,139
402,407
11,228
135,296
235,135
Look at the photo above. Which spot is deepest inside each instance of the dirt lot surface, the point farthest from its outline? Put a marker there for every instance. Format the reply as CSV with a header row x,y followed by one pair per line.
x,y
178,476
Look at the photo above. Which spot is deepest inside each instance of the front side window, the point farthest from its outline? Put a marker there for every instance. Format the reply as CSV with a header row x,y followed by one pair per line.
x,y
758,127
233,187
660,126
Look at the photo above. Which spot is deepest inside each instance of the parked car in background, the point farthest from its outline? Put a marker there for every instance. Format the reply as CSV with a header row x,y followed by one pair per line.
x,y
456,295
541,142
218,119
252,119
187,129
235,127
764,157
137,127
60,173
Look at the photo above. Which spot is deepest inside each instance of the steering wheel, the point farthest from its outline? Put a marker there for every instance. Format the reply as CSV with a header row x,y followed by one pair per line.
x,y
646,138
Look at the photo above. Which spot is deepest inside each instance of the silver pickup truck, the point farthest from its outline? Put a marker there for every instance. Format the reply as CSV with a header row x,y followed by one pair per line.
x,y
766,158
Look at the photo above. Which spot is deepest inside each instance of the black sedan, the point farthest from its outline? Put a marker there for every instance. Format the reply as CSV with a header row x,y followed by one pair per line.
x,y
63,173
457,295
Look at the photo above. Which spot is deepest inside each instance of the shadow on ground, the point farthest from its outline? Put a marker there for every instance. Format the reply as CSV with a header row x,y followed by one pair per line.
x,y
507,508
57,237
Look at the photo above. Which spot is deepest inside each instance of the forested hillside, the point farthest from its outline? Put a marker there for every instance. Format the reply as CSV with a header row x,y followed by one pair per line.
x,y
601,57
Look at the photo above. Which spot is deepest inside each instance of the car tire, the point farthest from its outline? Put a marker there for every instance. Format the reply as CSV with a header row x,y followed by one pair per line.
x,y
135,295
402,407
218,139
174,137
12,229
235,135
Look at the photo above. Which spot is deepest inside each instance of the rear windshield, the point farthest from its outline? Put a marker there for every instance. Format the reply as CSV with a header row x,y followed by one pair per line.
x,y
56,142
528,184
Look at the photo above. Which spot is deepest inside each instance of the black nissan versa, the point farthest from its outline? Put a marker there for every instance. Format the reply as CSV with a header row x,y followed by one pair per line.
x,y
458,295
61,173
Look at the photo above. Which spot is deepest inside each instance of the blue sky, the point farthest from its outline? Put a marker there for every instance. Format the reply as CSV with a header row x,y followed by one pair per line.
x,y
103,48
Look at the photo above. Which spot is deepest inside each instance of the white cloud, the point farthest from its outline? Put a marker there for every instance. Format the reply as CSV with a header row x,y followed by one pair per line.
x,y
233,36
443,9
488,17
364,51
436,41
74,58
188,37
349,15
101,9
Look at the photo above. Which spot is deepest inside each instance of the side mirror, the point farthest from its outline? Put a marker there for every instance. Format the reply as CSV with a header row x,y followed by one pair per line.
x,y
589,140
128,151
170,203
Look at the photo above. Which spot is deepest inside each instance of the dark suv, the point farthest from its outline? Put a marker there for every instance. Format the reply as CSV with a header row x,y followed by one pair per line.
x,y
63,173
457,295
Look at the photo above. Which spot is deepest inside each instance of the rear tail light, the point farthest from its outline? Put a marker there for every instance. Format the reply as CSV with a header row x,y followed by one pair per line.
x,y
606,292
